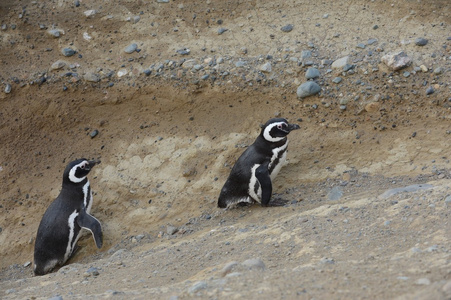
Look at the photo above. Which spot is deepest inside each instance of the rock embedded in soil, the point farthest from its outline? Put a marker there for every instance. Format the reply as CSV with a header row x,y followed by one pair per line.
x,y
396,61
421,41
183,51
197,286
287,28
266,67
68,52
307,89
312,73
131,48
340,63
254,263
91,77
57,65
430,90
56,33
222,30
8,88
337,80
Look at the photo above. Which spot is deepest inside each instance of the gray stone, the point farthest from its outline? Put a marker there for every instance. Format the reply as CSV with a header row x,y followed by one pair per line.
x,y
312,73
371,41
92,271
228,268
8,88
337,80
421,41
335,193
340,63
91,77
361,46
94,133
197,286
448,199
131,48
68,52
162,1
407,189
57,65
222,30
240,63
134,19
90,13
56,298
430,90
306,54
308,89
56,33
423,281
406,74
396,61
287,28
171,229
266,67
438,70
183,51
254,263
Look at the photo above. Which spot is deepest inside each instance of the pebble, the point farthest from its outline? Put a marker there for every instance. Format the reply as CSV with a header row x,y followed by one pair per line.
x,y
371,41
361,46
183,51
94,133
56,298
131,48
92,271
171,229
134,19
396,61
222,30
162,1
200,285
90,13
266,67
438,70
312,73
68,52
77,3
340,63
448,199
8,88
424,68
147,72
287,28
306,54
308,89
240,63
254,263
421,41
406,74
56,33
91,77
430,90
337,80
372,107
122,72
336,192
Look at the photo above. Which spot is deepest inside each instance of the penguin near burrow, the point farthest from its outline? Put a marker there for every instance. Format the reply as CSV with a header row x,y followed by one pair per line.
x,y
251,177
64,219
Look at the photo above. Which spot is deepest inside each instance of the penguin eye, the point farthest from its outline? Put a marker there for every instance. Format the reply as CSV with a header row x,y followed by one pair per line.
x,y
82,167
279,126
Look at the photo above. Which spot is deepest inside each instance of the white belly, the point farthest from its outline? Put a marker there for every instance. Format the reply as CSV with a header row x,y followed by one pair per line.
x,y
256,195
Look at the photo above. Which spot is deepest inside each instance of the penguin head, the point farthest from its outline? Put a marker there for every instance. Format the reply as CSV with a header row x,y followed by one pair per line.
x,y
77,170
277,129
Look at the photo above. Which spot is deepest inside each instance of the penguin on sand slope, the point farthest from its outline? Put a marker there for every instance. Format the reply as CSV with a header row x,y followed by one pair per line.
x,y
61,225
251,177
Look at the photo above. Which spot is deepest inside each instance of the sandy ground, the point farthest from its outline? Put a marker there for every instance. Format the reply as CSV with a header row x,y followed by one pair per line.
x,y
168,141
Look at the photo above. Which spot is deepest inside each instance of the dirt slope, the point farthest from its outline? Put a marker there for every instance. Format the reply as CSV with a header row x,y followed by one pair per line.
x,y
170,129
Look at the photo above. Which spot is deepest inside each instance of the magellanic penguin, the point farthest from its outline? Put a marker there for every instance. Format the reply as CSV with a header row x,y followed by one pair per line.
x,y
63,220
252,175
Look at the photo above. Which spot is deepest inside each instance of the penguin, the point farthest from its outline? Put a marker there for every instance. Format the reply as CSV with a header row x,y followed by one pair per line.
x,y
251,177
64,219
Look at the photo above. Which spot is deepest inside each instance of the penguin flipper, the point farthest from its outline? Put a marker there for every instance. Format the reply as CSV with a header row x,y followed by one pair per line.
x,y
90,223
262,174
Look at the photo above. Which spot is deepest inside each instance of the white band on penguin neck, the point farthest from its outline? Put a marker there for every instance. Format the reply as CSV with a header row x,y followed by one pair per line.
x,y
72,176
267,135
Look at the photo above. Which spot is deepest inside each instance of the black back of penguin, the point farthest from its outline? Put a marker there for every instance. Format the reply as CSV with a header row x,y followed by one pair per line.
x,y
60,226
251,177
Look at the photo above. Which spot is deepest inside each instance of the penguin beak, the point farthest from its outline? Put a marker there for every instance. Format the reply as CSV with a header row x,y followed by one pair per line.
x,y
293,127
92,163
